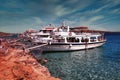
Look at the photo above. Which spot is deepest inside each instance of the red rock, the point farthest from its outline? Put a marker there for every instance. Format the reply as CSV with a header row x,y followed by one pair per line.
x,y
17,65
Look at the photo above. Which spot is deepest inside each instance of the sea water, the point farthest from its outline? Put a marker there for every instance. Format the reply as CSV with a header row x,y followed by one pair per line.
x,y
102,63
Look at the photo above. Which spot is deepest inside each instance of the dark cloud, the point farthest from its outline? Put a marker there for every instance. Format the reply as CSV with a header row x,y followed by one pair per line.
x,y
15,13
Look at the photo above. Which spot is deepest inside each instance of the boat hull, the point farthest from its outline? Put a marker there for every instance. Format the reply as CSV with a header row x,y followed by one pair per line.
x,y
70,46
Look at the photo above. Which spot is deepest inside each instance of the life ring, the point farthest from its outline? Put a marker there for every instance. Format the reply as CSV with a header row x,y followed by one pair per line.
x,y
70,33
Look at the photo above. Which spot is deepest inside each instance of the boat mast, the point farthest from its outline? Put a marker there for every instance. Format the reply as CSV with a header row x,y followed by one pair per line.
x,y
63,23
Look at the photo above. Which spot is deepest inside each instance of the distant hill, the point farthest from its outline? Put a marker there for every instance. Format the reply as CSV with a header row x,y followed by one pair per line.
x,y
5,34
112,33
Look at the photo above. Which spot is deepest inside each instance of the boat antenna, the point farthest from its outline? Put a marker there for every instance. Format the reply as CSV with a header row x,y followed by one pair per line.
x,y
63,23
50,25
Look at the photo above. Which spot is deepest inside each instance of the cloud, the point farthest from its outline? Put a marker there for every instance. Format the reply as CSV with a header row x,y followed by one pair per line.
x,y
100,9
71,23
45,8
35,13
115,11
60,11
38,20
95,18
69,7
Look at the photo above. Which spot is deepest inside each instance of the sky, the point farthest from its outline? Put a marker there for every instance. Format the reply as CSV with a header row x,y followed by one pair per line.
x,y
20,15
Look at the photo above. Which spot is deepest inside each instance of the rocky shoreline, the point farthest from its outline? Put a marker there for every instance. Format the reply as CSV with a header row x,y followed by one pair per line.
x,y
16,64
5,34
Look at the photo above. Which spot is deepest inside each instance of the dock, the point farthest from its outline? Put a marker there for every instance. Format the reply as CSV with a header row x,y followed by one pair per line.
x,y
33,47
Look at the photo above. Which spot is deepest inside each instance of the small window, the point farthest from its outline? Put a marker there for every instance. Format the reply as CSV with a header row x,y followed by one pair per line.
x,y
72,39
61,40
92,39
99,38
84,40
44,35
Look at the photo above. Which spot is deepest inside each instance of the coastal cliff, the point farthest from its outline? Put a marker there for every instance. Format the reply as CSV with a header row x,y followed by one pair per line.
x,y
16,64
5,34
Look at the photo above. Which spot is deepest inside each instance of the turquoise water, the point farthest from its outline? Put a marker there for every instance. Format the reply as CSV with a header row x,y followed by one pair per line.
x,y
101,63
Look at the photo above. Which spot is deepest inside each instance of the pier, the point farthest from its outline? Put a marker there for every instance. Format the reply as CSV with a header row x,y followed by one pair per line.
x,y
33,47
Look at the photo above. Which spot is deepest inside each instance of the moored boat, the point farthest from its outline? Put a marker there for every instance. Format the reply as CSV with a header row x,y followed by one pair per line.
x,y
62,39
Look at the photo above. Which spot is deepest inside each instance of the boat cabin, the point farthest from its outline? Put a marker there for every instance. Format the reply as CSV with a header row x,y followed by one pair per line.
x,y
79,39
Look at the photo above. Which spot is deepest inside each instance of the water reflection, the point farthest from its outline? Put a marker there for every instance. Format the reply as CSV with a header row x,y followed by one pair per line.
x,y
83,65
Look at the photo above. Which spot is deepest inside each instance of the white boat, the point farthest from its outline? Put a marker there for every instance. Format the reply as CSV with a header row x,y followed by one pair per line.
x,y
62,39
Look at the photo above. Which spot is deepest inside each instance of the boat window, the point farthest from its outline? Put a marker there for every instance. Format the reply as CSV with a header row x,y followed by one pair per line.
x,y
43,35
72,39
82,40
77,40
61,40
44,31
92,39
85,39
99,38
47,31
